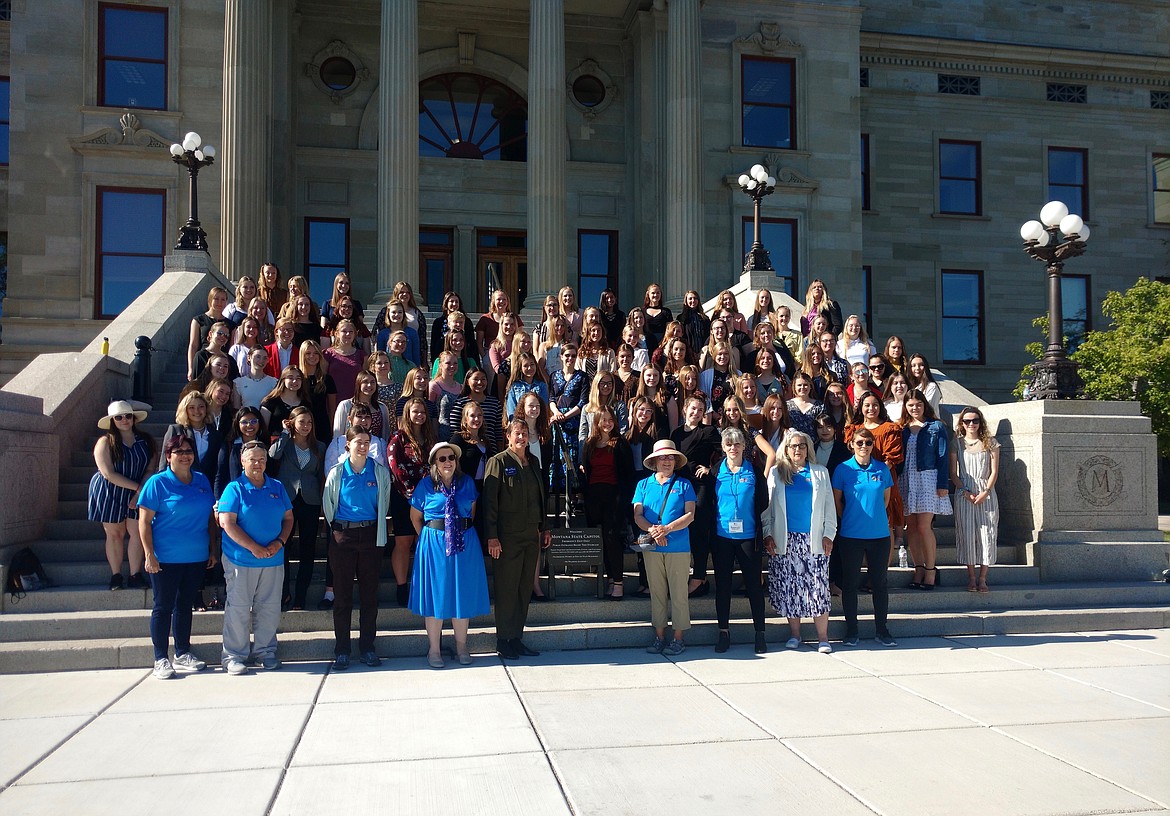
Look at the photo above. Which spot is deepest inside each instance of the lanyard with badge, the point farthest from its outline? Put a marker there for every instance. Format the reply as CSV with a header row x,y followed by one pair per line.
x,y
735,525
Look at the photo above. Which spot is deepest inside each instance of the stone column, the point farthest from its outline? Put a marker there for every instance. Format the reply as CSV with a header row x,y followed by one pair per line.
x,y
244,154
398,148
547,151
684,147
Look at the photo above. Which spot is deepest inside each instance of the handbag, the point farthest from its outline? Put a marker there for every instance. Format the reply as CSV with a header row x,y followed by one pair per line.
x,y
645,542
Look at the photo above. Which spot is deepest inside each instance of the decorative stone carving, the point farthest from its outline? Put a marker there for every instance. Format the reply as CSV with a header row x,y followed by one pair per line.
x,y
466,47
1100,481
769,40
128,135
591,68
336,48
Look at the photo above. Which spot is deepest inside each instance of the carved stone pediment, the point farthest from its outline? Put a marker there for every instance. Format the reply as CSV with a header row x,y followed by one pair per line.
x,y
769,39
129,136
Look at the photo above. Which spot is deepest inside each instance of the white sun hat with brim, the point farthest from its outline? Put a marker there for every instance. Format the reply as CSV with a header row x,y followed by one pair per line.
x,y
117,408
664,447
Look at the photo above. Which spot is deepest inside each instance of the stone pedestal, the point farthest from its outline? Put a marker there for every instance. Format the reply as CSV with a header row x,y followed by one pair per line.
x,y
1078,488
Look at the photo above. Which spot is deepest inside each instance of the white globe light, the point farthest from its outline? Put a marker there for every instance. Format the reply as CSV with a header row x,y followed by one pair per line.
x,y
198,155
1043,239
1031,230
757,171
209,151
176,149
191,141
744,178
771,181
1083,235
752,184
1071,224
1052,212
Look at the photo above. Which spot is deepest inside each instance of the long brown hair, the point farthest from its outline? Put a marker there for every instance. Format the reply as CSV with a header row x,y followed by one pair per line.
x,y
421,436
594,440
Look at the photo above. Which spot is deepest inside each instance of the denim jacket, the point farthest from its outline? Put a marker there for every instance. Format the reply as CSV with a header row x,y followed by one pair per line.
x,y
932,451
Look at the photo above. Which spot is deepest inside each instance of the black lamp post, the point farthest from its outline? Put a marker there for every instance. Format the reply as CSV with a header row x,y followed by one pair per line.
x,y
1056,237
190,155
756,184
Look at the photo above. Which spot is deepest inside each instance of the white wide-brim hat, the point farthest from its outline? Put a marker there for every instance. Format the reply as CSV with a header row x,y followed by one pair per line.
x,y
438,446
664,447
119,407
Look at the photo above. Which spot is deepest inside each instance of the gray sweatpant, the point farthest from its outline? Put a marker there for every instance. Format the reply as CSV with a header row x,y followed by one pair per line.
x,y
252,607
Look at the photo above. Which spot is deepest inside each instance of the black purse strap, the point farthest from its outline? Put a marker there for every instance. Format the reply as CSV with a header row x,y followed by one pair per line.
x,y
666,498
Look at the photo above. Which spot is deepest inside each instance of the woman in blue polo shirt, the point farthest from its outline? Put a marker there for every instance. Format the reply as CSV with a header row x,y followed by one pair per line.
x,y
664,506
861,490
256,516
176,526
355,503
741,497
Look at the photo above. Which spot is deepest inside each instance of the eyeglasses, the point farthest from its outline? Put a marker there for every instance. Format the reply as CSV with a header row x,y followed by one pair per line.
x,y
250,421
183,452
606,383
971,421
798,446
448,458
862,443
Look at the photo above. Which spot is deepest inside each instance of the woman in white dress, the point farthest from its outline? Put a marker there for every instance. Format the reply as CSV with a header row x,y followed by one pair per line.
x,y
974,471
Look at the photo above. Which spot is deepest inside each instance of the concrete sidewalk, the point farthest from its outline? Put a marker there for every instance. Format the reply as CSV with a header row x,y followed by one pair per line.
x,y
988,726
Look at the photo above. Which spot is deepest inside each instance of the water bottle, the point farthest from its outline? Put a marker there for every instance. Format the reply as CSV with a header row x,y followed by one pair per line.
x,y
903,557
105,345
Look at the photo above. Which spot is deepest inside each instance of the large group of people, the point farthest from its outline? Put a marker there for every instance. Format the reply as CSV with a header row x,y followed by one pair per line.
x,y
729,436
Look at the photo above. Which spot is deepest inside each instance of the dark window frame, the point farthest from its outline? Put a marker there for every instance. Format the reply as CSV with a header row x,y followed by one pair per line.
x,y
1083,186
980,317
867,298
611,276
793,109
458,144
960,85
429,251
977,178
6,121
866,174
1164,190
1160,100
165,61
100,254
1088,319
863,78
305,267
1069,94
747,220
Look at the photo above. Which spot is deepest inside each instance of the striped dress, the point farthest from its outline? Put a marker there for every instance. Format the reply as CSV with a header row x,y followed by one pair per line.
x,y
108,502
976,528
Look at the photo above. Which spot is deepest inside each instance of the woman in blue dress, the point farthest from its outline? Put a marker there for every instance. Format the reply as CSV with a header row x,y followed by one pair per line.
x,y
449,579
123,455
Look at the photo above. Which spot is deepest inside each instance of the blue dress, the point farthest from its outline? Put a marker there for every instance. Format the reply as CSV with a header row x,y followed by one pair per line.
x,y
445,586
108,503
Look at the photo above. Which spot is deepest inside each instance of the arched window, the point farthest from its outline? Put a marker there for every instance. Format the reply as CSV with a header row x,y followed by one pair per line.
x,y
467,116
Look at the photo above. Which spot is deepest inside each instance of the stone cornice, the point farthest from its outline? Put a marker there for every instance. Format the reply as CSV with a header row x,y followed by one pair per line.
x,y
967,56
129,137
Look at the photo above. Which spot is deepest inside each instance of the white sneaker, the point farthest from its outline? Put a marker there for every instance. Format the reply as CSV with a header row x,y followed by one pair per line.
x,y
824,648
189,663
163,670
793,643
235,666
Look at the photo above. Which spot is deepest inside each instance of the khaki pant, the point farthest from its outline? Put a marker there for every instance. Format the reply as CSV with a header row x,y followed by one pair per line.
x,y
669,575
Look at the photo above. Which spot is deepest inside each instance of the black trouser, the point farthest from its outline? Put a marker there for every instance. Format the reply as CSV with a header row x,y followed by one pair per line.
x,y
174,588
876,552
307,517
700,531
513,572
355,551
601,510
725,552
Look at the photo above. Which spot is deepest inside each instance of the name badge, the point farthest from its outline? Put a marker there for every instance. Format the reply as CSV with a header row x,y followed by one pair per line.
x,y
735,526
743,479
510,470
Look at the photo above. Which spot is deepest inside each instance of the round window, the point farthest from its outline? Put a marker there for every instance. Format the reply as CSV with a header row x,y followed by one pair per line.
x,y
589,91
338,73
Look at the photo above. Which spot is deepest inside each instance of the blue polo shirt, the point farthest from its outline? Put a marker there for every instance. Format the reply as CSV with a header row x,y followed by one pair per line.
x,y
181,513
357,498
863,492
735,499
260,513
649,493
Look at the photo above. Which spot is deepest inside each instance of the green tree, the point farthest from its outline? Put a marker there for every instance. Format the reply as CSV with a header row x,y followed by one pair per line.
x,y
1132,357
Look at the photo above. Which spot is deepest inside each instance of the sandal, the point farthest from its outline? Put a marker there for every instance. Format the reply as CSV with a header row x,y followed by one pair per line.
x,y
915,581
984,588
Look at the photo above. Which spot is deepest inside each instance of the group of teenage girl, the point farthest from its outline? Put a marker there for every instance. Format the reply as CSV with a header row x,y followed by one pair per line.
x,y
598,387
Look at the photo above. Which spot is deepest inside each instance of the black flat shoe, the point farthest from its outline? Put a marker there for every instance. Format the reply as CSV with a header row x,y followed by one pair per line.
x,y
761,644
518,646
724,642
701,590
539,598
402,591
505,650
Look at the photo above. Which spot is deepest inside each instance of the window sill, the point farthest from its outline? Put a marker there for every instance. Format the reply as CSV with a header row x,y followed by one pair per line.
x,y
1158,225
871,212
960,217
755,151
102,110
963,362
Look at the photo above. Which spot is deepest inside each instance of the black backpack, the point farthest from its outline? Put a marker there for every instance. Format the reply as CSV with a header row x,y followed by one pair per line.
x,y
25,574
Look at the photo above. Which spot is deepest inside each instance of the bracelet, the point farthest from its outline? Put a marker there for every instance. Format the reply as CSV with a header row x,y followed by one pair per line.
x,y
281,540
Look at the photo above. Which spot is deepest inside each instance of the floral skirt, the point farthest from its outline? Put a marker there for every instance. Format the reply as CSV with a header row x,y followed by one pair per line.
x,y
798,580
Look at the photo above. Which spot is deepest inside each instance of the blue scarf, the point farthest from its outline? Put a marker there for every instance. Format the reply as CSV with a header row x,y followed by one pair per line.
x,y
452,521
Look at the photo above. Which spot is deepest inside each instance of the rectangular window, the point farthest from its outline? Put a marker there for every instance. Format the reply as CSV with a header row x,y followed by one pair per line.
x,y
436,262
957,84
597,264
131,243
864,77
132,56
1068,178
962,316
1160,100
778,235
1161,188
1073,94
5,93
867,298
959,181
1074,298
326,254
865,199
768,103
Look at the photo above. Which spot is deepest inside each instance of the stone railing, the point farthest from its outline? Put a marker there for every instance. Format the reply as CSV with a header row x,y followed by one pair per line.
x,y
49,409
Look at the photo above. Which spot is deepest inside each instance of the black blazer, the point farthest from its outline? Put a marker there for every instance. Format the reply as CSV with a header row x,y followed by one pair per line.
x,y
839,454
208,464
623,464
760,499
471,455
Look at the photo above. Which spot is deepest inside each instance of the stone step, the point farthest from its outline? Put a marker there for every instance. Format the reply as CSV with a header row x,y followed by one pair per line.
x,y
137,652
72,509
73,491
74,529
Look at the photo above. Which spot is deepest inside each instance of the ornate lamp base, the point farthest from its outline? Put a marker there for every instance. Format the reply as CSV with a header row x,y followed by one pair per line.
x,y
1055,379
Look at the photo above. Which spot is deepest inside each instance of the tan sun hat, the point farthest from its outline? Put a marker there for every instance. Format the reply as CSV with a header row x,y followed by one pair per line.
x,y
438,446
664,447
117,408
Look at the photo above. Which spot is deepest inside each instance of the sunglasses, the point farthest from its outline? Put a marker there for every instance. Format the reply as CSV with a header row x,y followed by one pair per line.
x,y
878,367
252,421
183,452
974,421
448,458
862,443
120,417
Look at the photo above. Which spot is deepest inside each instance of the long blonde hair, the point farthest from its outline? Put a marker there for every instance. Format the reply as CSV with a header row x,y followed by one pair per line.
x,y
785,468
